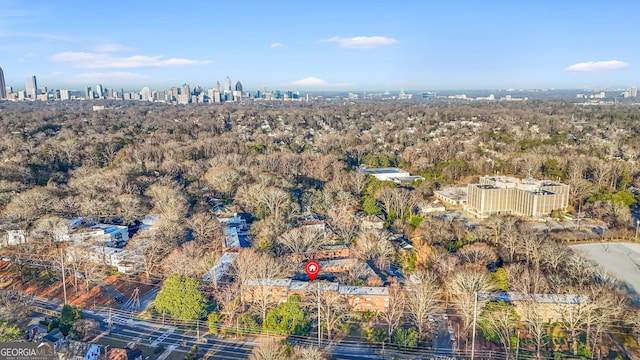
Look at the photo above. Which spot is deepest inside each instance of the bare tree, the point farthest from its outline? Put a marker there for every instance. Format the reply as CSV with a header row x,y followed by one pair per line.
x,y
478,253
500,319
395,311
386,196
14,306
269,350
307,353
573,315
275,200
535,323
510,239
422,300
223,180
258,274
151,251
343,223
207,230
334,309
227,299
185,260
463,284
131,208
372,244
303,241
495,224
403,202
603,312
633,320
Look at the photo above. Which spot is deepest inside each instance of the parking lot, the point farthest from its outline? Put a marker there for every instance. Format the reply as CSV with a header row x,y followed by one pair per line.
x,y
620,259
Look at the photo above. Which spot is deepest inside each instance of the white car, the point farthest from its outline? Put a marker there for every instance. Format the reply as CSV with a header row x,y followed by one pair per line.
x,y
431,318
445,316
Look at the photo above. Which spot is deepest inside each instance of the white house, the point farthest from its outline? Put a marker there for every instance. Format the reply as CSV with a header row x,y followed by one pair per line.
x,y
107,234
125,261
13,237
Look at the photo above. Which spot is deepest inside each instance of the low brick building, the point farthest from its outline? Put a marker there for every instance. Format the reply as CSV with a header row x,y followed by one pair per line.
x,y
360,298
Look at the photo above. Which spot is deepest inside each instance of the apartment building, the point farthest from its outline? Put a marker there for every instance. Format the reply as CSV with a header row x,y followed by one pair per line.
x,y
504,195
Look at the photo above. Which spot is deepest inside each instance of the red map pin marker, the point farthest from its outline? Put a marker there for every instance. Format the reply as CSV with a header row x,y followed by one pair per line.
x,y
313,269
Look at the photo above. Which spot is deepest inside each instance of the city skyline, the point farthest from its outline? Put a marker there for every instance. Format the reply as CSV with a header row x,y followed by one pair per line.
x,y
328,46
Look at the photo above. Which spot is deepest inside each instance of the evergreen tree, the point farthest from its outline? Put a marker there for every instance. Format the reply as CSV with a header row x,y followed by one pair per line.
x,y
287,318
180,297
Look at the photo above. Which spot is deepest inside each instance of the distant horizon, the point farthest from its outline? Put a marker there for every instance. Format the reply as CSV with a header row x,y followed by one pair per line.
x,y
287,87
325,46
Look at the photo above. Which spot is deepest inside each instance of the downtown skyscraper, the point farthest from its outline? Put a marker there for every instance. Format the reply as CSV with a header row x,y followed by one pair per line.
x,y
3,86
31,87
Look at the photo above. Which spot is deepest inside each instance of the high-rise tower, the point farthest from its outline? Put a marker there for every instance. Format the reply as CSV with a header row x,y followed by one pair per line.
x,y
3,86
227,84
31,87
239,86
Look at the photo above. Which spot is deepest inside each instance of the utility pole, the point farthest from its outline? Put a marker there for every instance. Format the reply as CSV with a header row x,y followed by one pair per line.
x,y
475,316
518,345
579,209
319,328
64,280
637,224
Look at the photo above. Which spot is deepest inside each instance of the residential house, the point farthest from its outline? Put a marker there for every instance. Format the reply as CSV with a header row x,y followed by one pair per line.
x,y
124,260
122,354
54,336
78,350
80,231
373,222
12,237
220,268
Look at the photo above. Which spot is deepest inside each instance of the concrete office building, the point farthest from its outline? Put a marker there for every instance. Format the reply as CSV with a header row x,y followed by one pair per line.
x,y
503,195
64,95
31,87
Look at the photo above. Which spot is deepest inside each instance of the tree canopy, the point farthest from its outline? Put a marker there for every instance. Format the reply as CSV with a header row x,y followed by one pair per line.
x,y
181,298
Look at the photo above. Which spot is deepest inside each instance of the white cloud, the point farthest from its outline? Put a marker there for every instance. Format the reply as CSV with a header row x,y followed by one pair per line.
x,y
276,45
362,42
112,47
107,61
594,66
317,83
107,76
313,81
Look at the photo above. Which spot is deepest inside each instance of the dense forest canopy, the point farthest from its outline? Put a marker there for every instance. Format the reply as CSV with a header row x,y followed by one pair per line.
x,y
281,164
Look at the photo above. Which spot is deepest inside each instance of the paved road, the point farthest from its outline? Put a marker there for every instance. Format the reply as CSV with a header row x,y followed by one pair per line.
x,y
125,327
442,343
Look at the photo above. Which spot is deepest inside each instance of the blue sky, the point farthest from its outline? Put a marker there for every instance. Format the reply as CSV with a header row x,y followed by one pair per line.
x,y
322,45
